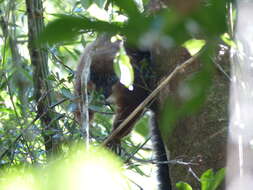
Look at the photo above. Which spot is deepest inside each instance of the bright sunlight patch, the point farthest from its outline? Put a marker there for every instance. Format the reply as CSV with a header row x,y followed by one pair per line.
x,y
92,169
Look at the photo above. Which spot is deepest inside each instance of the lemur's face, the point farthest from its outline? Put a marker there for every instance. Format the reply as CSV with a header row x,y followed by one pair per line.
x,y
103,82
101,71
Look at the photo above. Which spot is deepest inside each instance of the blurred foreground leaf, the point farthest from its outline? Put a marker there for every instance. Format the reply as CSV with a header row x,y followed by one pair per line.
x,y
90,169
67,27
196,86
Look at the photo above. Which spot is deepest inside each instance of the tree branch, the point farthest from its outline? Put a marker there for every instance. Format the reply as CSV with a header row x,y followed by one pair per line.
x,y
163,84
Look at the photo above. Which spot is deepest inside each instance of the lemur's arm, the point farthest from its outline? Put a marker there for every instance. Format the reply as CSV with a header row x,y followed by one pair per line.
x,y
126,102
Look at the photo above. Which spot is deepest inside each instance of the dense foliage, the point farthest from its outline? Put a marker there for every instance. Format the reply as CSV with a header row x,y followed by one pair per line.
x,y
70,25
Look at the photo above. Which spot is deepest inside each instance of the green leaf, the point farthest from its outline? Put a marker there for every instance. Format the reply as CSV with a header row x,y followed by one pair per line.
x,y
123,68
218,178
72,53
72,107
67,27
64,28
51,77
194,45
136,27
3,84
138,170
227,39
206,180
86,3
145,2
141,126
70,77
215,10
7,110
129,7
67,93
183,186
100,3
174,26
210,181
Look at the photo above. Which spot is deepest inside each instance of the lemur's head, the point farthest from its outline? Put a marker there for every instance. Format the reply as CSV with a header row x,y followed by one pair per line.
x,y
102,74
103,52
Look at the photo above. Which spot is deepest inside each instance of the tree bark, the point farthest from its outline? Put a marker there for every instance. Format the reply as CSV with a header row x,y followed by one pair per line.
x,y
199,138
42,87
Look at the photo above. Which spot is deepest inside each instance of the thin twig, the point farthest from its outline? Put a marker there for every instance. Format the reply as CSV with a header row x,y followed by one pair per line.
x,y
163,84
221,69
171,162
60,61
193,174
135,184
137,149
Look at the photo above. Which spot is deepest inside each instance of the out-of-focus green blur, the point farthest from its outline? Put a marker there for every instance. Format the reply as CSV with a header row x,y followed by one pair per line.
x,y
83,169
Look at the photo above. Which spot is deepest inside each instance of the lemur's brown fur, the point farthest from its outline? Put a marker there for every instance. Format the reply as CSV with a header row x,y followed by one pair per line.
x,y
101,72
146,78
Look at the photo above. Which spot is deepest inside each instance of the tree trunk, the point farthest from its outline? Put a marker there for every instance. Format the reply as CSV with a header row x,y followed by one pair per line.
x,y
42,87
200,138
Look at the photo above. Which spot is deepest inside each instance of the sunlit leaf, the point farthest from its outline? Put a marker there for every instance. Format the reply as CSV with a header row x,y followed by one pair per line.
x,y
183,186
210,181
80,169
6,110
207,180
227,39
18,179
97,12
218,178
123,68
194,45
83,170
